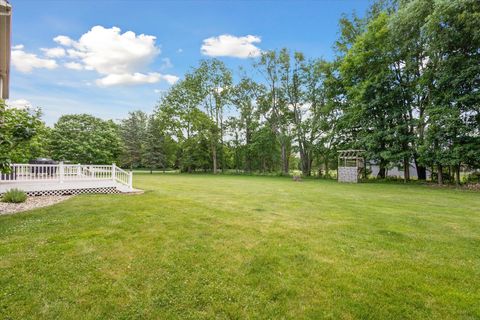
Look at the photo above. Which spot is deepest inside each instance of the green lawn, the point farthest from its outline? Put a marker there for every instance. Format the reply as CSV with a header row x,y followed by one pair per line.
x,y
202,247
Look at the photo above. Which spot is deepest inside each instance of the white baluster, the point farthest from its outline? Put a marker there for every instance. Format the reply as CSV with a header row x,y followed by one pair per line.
x,y
62,172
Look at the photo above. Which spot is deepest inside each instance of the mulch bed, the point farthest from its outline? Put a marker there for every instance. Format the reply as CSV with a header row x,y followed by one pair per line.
x,y
31,203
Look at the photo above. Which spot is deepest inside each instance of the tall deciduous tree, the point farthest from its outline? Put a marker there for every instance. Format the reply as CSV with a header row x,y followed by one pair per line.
x,y
180,116
36,147
454,76
216,82
244,96
17,127
409,63
273,105
324,91
82,138
368,81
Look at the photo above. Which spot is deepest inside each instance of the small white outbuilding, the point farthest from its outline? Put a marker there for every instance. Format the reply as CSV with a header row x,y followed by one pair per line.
x,y
351,164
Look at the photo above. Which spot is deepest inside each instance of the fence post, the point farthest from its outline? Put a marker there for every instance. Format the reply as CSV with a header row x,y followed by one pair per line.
x,y
62,172
113,171
130,175
79,169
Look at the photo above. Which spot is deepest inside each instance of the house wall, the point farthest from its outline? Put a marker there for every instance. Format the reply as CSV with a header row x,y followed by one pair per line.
x,y
396,172
5,35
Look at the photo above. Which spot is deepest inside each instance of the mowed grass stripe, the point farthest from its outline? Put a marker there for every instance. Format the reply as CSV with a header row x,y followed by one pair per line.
x,y
202,246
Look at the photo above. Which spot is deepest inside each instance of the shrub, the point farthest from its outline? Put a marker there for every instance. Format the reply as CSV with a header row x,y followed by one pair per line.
x,y
14,196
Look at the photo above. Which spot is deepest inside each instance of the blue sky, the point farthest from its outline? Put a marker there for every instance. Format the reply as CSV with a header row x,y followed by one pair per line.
x,y
107,71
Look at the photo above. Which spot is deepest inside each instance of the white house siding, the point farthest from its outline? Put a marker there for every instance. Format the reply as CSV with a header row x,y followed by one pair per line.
x,y
398,172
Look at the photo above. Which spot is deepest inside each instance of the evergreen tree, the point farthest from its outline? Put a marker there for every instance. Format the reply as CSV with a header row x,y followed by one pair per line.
x,y
154,154
133,131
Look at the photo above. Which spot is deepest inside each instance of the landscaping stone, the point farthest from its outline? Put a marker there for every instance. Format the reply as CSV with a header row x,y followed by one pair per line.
x,y
30,203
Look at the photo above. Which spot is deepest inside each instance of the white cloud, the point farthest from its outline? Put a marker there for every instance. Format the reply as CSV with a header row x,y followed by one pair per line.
x,y
26,62
54,52
170,78
74,54
135,78
121,58
64,41
108,51
21,104
73,65
227,45
18,47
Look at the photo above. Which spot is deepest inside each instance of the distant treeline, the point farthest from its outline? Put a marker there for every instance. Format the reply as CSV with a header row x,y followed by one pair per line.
x,y
404,86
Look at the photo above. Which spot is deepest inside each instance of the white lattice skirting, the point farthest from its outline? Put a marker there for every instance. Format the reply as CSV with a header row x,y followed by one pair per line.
x,y
106,190
59,189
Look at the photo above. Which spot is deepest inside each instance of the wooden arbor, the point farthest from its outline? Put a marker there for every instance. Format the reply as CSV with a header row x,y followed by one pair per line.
x,y
351,163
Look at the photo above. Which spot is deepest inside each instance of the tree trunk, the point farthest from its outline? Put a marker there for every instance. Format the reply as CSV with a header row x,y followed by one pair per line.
x,y
214,158
406,170
457,175
304,157
440,174
248,159
306,165
326,168
222,150
381,171
365,176
310,164
421,170
284,159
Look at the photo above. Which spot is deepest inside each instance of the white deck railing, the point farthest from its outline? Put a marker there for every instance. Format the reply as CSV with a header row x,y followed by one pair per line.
x,y
66,172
